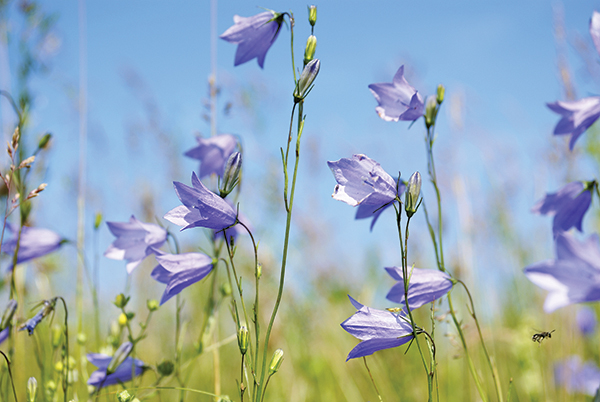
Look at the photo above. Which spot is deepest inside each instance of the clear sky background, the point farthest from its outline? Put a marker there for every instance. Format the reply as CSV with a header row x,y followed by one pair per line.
x,y
148,64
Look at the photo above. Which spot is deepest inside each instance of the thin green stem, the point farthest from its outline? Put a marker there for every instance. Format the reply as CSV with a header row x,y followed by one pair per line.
x,y
10,375
372,379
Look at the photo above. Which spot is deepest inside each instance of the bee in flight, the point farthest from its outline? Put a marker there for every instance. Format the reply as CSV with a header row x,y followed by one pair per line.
x,y
540,336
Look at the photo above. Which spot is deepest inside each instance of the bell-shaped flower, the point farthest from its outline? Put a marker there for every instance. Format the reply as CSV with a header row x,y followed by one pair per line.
x,y
135,241
363,183
576,116
29,325
253,35
35,242
573,277
178,271
397,100
213,153
425,286
577,377
569,205
377,330
595,30
122,374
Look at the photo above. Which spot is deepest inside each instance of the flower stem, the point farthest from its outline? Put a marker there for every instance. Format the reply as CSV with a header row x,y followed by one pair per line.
x,y
372,379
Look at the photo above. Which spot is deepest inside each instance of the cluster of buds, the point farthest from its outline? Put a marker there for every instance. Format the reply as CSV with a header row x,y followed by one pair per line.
x,y
433,105
311,65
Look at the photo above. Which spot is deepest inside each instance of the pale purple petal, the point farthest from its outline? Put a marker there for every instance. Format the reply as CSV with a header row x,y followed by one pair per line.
x,y
586,320
4,334
576,377
368,347
577,116
35,242
426,286
121,374
213,153
397,100
595,30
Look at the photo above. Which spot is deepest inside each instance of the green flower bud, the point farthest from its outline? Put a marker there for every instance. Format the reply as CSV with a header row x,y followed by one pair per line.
x,y
121,300
125,396
258,271
57,332
312,15
51,385
119,357
31,389
242,336
97,220
9,313
152,304
43,142
81,338
430,111
225,289
412,192
440,94
304,84
231,177
165,368
311,47
275,361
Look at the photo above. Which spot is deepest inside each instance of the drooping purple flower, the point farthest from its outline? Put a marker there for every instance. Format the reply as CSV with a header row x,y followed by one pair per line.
x,y
595,30
569,205
100,379
178,271
213,153
576,116
29,325
363,183
425,286
253,35
377,330
573,277
201,207
586,320
135,241
577,377
397,100
35,242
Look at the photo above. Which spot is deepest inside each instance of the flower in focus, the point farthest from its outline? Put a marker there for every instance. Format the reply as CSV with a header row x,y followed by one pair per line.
x,y
576,116
569,205
100,379
573,277
201,207
135,241
586,320
35,242
377,330
425,286
577,377
178,271
397,100
213,153
595,30
253,35
362,182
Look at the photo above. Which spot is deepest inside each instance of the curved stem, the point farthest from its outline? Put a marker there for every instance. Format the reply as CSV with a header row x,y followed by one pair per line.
x,y
10,375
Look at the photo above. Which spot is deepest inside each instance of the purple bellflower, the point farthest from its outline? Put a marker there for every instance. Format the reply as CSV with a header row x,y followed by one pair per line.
x,y
201,207
425,286
576,116
253,35
178,271
48,306
377,330
122,374
577,377
213,153
4,334
573,277
363,183
595,30
397,100
35,242
586,320
135,241
569,205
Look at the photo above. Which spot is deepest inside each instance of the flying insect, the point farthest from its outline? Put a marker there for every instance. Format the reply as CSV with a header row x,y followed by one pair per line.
x,y
540,336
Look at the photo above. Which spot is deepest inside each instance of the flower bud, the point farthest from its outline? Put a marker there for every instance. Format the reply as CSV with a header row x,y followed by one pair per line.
x,y
125,396
43,142
152,304
97,220
119,357
412,192
440,94
81,338
122,319
303,86
311,47
231,177
121,300
9,312
31,389
57,332
242,336
275,361
165,368
225,289
312,15
258,271
430,111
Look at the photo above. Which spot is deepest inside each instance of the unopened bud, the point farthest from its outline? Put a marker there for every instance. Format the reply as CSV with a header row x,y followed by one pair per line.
x,y
413,190
124,396
81,338
56,335
35,192
44,141
27,162
304,85
122,320
165,368
152,304
8,314
440,94
311,47
31,389
231,177
121,300
119,357
242,336
312,15
225,289
97,220
15,139
276,361
258,271
430,111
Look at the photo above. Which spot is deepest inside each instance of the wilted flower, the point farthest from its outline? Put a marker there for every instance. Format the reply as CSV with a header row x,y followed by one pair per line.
x,y
253,35
569,205
362,182
425,286
201,207
213,153
577,116
178,271
577,377
586,320
135,241
573,277
100,379
377,329
397,100
35,242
